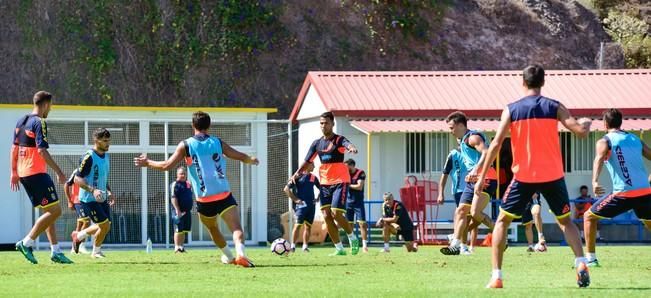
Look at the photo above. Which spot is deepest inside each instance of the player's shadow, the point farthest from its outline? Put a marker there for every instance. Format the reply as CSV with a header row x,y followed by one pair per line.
x,y
297,265
621,288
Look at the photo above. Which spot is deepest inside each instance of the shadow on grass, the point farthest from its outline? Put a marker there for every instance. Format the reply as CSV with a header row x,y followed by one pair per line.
x,y
298,265
622,288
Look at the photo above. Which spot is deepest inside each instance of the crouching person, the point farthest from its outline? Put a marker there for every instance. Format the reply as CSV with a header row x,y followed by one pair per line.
x,y
395,220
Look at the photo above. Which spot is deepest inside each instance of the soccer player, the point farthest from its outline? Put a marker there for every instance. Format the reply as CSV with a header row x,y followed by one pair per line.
x,y
29,162
94,193
531,217
473,151
355,204
537,167
302,195
205,157
583,204
72,193
335,181
622,154
182,202
395,219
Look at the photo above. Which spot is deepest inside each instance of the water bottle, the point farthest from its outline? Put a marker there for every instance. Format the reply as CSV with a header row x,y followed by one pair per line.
x,y
149,246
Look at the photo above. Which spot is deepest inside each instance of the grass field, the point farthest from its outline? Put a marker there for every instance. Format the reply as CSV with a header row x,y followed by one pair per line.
x,y
625,272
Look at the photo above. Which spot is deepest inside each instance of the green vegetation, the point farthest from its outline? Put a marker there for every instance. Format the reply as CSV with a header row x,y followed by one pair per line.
x,y
625,272
631,33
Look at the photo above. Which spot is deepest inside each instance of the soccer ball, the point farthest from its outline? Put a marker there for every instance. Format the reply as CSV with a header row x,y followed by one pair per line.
x,y
280,247
540,247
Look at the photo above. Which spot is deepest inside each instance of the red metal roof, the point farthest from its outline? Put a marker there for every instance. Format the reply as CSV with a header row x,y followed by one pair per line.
x,y
478,93
419,125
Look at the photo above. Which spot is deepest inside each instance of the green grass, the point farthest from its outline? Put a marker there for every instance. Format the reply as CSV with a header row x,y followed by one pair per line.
x,y
625,272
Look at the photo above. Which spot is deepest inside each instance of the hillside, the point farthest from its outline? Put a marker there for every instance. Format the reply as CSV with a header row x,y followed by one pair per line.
x,y
245,53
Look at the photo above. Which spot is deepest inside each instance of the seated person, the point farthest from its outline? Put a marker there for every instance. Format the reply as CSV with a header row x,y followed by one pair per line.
x,y
395,220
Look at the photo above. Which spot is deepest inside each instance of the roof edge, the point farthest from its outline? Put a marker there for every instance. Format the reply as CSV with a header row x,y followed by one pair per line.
x,y
146,109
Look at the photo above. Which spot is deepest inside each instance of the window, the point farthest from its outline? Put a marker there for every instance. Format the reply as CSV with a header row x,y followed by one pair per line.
x,y
566,150
584,151
439,149
415,158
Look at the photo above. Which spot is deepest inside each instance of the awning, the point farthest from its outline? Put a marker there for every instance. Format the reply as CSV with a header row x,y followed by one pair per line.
x,y
423,125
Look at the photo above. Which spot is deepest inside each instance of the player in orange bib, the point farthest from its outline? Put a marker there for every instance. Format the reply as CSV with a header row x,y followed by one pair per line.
x,y
537,167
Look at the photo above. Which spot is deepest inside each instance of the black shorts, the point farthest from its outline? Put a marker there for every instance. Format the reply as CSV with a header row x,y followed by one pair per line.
x,y
518,194
305,215
334,196
527,216
611,205
407,234
183,223
80,213
490,187
98,212
40,189
212,209
355,210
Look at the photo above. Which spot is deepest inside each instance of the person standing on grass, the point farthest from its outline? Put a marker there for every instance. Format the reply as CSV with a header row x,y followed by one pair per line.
x,y
205,156
537,167
622,154
72,193
531,217
335,181
355,203
301,193
395,220
29,161
181,201
94,193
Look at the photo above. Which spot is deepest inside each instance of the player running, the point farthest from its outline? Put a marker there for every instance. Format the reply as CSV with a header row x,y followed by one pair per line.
x,y
72,193
301,193
537,167
355,203
473,151
94,193
204,155
395,220
181,201
622,153
335,181
29,162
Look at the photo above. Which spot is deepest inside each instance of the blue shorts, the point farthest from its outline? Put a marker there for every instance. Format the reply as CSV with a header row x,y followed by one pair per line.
x,y
212,209
334,196
355,210
305,215
527,216
183,223
98,212
518,195
610,206
457,198
40,189
79,212
469,191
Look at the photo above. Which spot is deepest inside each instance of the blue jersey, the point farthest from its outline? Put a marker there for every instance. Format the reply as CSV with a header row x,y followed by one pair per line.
x,y
304,188
357,196
625,162
469,154
95,169
456,169
207,168
182,191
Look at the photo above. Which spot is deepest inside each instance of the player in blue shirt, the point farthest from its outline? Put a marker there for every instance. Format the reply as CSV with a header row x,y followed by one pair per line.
x,y
94,193
181,201
301,193
622,154
205,156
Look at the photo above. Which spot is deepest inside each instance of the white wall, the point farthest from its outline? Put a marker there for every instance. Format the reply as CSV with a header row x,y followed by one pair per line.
x,y
312,105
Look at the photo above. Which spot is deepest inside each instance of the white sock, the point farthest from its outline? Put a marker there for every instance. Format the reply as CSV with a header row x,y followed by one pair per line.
x,y
28,241
181,247
455,243
97,249
176,247
464,246
386,245
81,235
352,236
541,237
227,252
55,248
293,245
239,249
591,256
497,274
364,243
578,261
304,245
339,246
